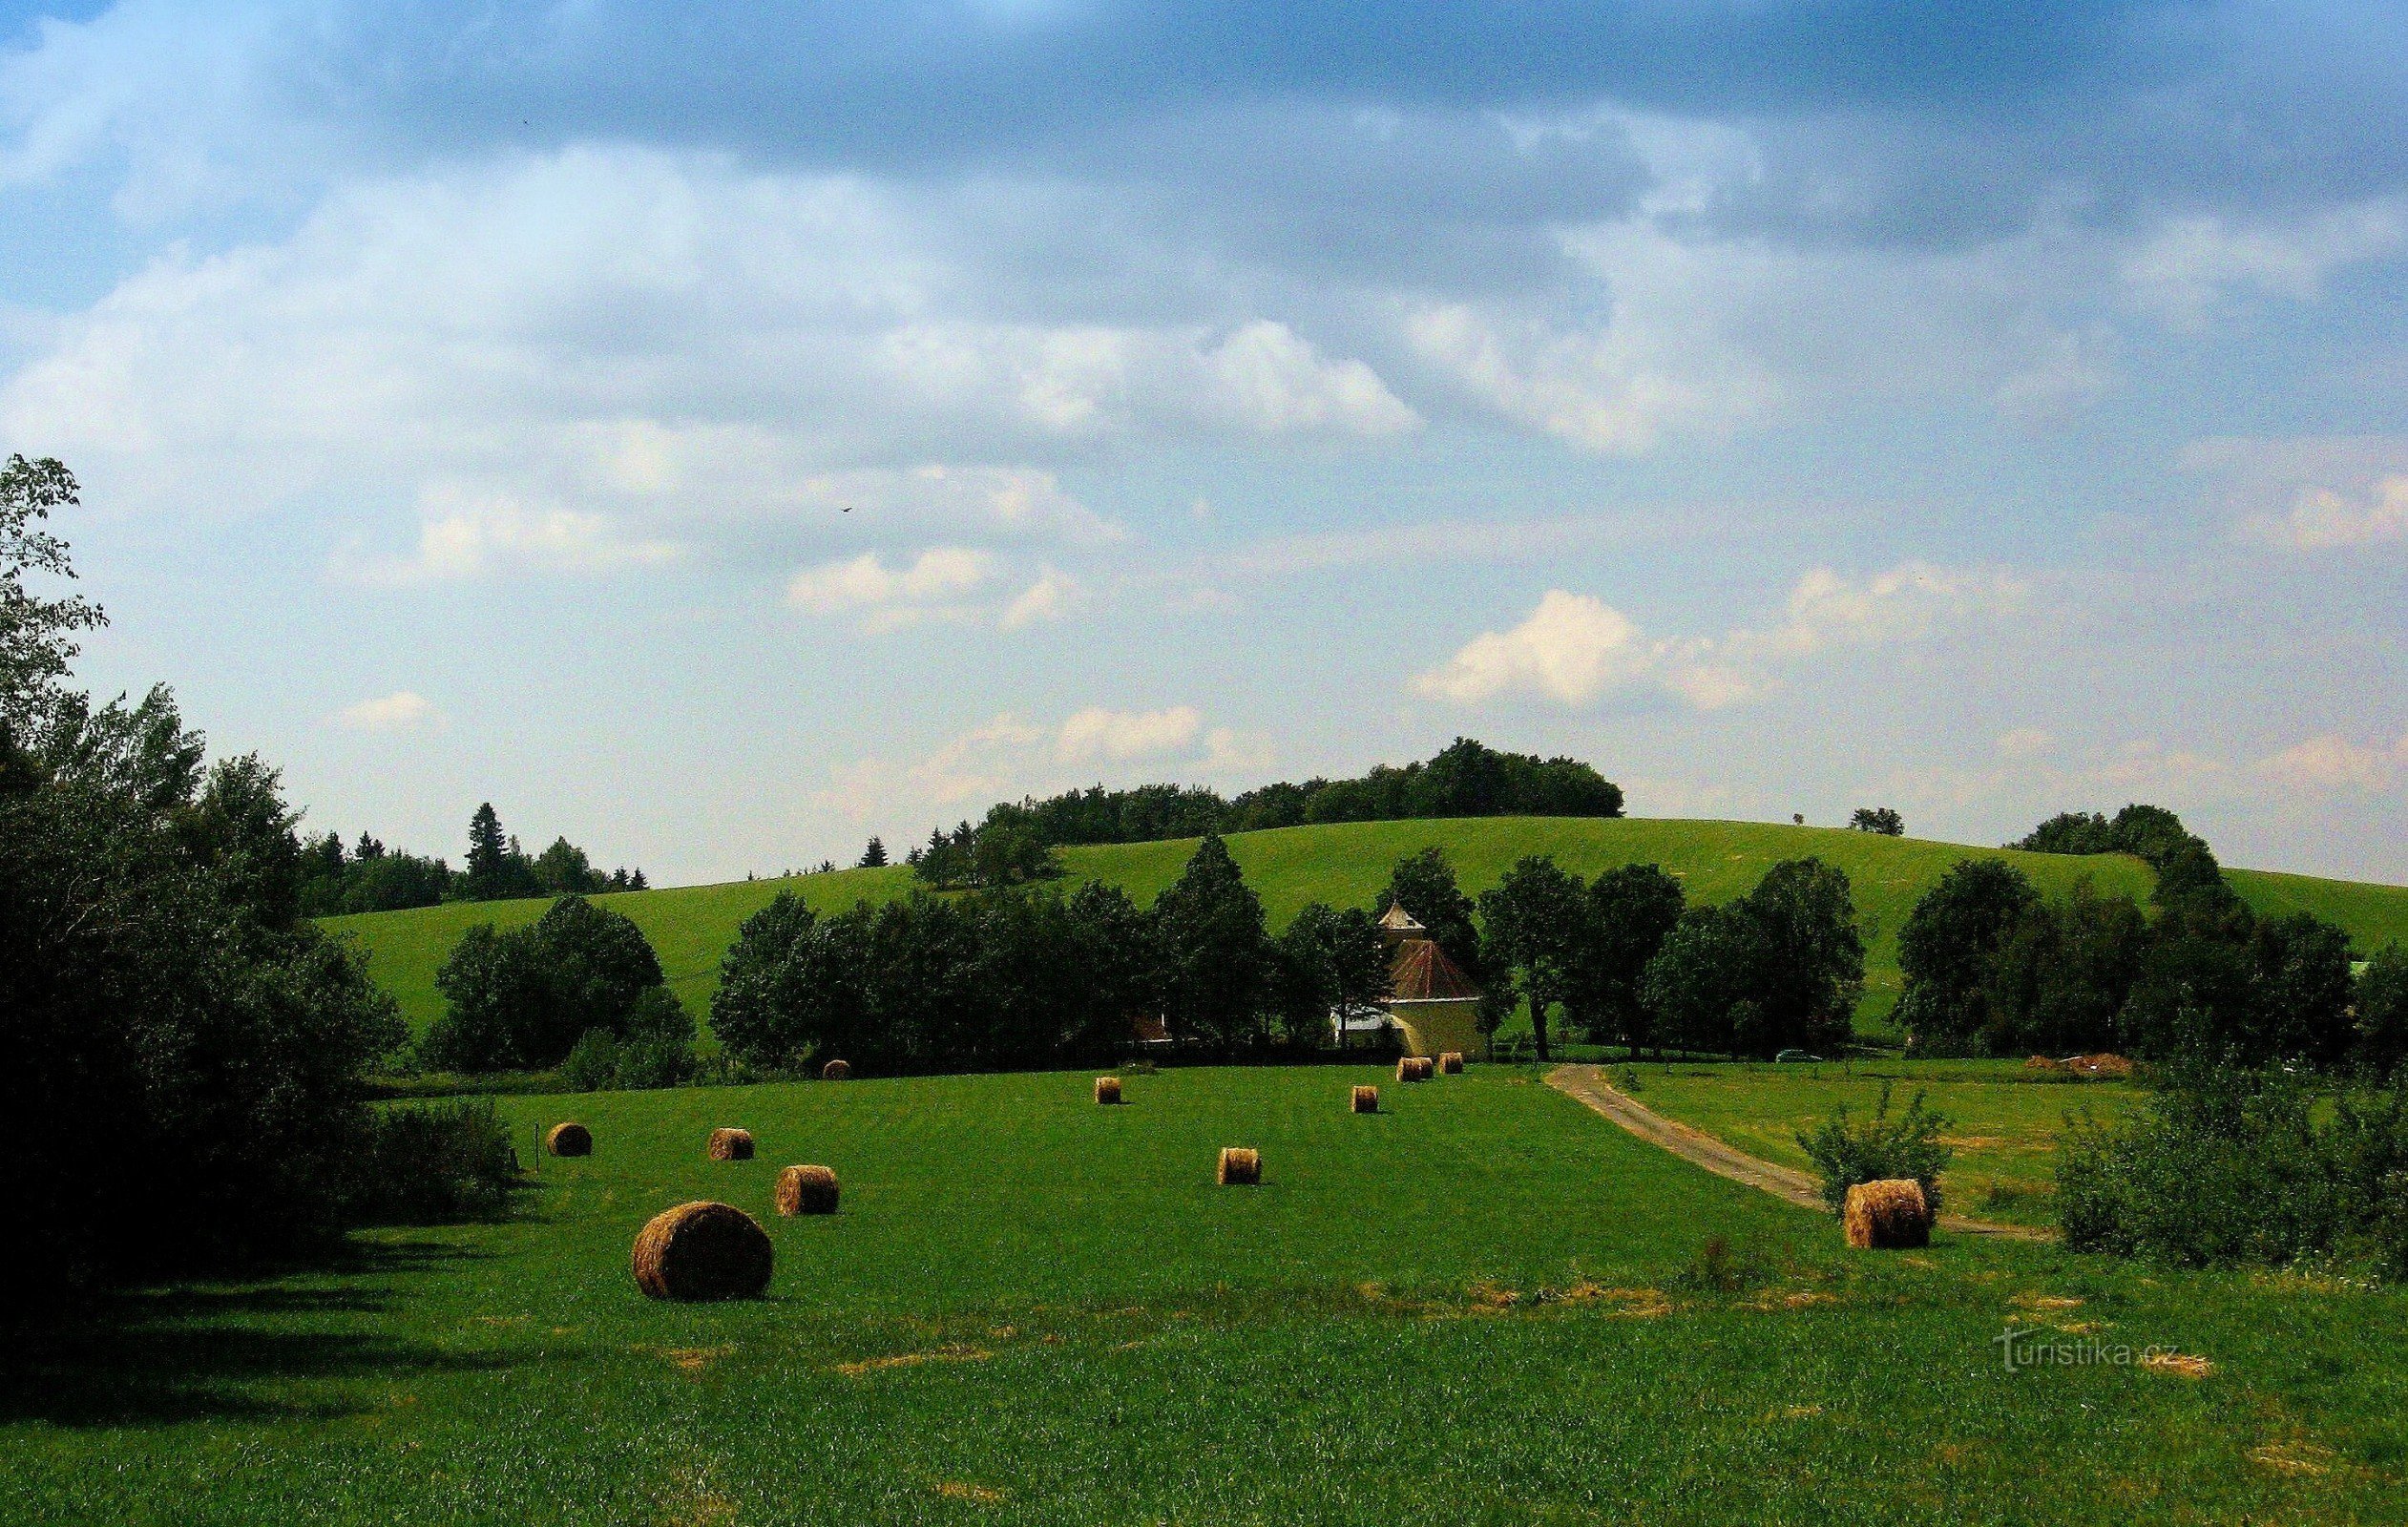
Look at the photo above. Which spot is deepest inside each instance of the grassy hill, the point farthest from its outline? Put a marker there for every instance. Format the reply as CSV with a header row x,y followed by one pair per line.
x,y
1346,863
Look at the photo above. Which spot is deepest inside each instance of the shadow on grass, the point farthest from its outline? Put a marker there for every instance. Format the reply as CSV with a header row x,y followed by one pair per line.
x,y
223,1352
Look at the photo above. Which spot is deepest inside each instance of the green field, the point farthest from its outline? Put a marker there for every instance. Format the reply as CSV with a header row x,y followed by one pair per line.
x,y
2003,1122
1347,864
1472,1307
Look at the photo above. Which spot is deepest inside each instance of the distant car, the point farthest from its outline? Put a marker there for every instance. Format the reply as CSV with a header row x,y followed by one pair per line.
x,y
1792,1058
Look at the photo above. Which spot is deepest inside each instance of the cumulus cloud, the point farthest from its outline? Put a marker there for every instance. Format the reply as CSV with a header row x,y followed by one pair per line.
x,y
2320,519
1575,650
1013,755
931,586
1096,733
465,536
1051,598
1572,649
2189,266
612,327
2330,762
401,711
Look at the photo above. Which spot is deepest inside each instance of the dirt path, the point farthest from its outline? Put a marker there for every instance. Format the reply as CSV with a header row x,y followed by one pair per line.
x,y
1588,1085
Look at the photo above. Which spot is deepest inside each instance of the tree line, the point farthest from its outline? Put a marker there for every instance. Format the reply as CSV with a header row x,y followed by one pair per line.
x,y
184,1057
1992,967
1012,844
368,877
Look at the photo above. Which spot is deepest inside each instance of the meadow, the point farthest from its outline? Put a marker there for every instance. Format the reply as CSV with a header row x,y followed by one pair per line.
x,y
1482,1305
2003,1122
1347,864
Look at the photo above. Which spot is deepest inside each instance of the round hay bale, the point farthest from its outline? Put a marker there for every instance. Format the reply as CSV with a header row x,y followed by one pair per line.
x,y
1365,1100
1413,1068
1239,1166
1887,1214
806,1190
730,1145
569,1140
702,1250
1107,1090
837,1071
1451,1063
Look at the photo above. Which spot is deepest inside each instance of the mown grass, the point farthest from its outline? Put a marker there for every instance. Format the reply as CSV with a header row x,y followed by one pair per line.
x,y
2005,1123
1475,1306
1347,864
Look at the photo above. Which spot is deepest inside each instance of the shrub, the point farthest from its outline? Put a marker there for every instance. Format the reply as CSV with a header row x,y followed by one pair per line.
x,y
1847,1152
2226,1166
432,1164
657,1050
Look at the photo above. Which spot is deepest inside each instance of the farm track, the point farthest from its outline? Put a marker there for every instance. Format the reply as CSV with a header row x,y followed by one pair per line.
x,y
1587,1086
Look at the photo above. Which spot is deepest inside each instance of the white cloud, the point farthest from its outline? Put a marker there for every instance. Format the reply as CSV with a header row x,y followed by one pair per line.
x,y
614,329
463,537
401,711
1051,598
1574,649
2320,519
889,598
1097,733
2026,743
2189,266
2334,763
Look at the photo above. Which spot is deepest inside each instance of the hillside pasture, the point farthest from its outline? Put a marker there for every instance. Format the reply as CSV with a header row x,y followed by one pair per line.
x,y
1482,1305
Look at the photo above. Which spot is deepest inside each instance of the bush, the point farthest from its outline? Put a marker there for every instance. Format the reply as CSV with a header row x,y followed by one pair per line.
x,y
2226,1166
431,1165
1880,1148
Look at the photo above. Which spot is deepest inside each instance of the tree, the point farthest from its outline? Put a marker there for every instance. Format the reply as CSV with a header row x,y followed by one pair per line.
x,y
175,1035
1947,947
1782,966
520,1001
1423,883
1880,819
1332,963
564,871
1813,969
874,856
36,634
1217,959
2058,982
1536,925
1632,911
2382,1010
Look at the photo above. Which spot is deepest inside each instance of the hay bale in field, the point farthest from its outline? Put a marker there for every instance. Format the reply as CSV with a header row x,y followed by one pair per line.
x,y
806,1190
569,1140
1887,1214
2102,1065
702,1250
1107,1090
1365,1100
2044,1063
1239,1166
1451,1063
836,1071
1413,1068
730,1145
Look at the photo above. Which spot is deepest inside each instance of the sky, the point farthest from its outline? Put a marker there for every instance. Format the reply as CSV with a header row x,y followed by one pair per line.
x,y
717,434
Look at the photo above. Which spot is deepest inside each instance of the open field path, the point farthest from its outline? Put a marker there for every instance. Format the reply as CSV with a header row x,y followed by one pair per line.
x,y
1588,1085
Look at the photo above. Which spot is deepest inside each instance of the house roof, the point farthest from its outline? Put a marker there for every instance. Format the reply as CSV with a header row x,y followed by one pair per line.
x,y
1147,1029
1399,920
1422,973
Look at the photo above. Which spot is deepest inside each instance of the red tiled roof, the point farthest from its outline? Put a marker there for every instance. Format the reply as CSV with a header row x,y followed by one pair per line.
x,y
1423,973
1148,1029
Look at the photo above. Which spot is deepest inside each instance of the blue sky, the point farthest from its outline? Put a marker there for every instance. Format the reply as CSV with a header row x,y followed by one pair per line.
x,y
1785,407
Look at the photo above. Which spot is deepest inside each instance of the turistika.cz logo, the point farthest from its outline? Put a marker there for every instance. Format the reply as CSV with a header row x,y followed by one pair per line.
x,y
2047,1349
